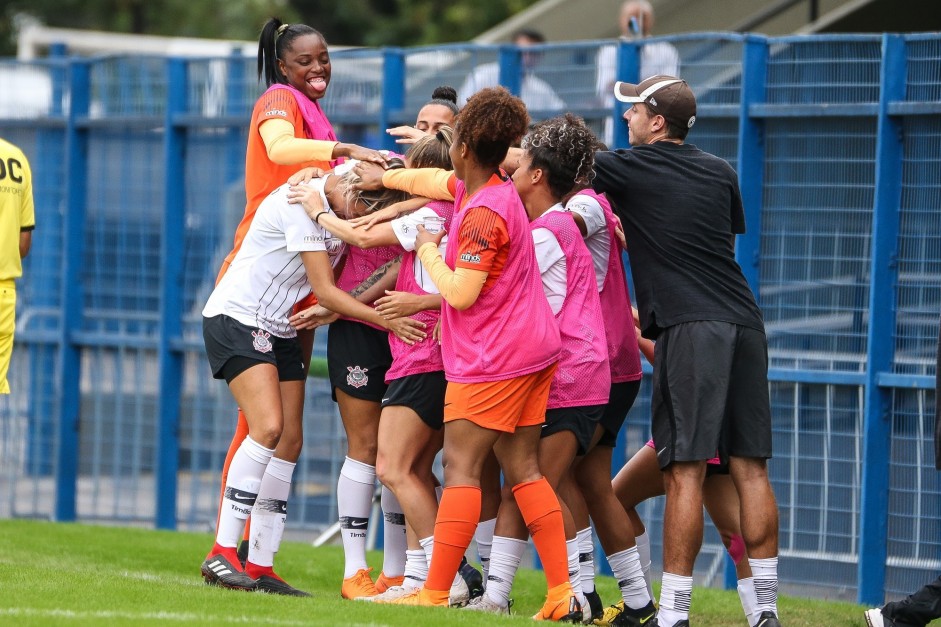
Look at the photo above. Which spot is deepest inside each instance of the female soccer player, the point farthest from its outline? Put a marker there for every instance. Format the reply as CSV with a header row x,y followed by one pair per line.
x,y
498,385
437,112
253,346
288,131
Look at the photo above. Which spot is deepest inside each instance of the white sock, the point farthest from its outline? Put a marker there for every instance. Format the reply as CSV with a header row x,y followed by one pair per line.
x,y
625,565
241,489
586,559
504,562
483,537
643,551
676,592
354,501
270,512
575,571
393,535
416,568
765,575
746,592
428,547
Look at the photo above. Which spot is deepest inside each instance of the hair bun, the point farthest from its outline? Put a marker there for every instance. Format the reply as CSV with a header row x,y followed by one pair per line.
x,y
445,92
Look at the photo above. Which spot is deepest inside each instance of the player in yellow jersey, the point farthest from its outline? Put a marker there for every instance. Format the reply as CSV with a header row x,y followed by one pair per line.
x,y
17,219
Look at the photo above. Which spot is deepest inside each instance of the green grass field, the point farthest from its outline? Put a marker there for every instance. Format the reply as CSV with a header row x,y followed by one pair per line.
x,y
68,574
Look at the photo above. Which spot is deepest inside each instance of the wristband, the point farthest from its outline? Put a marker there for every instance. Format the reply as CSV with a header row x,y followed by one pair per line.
x,y
317,217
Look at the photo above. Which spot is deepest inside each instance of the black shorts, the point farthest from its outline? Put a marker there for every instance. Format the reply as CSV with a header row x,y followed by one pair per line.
x,y
233,348
579,420
358,357
710,392
620,402
423,393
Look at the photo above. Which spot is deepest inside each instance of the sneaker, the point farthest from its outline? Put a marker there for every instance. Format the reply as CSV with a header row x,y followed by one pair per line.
x,y
644,617
561,606
595,605
273,584
359,585
768,619
469,585
391,594
483,603
610,613
383,583
218,570
875,618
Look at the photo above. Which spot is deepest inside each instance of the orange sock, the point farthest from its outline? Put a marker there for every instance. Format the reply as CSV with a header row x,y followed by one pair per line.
x,y
455,525
241,432
540,508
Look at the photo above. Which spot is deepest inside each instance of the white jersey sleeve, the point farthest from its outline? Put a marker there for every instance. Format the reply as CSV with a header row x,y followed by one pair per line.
x,y
597,238
552,267
406,227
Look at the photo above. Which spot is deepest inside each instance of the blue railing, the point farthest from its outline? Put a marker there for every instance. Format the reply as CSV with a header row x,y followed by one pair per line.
x,y
138,166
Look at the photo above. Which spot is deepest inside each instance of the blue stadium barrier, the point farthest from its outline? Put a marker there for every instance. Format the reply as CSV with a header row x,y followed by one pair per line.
x,y
138,180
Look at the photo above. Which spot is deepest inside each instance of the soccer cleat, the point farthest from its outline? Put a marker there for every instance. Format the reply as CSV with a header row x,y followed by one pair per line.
x,y
768,619
383,583
419,597
273,584
875,618
644,617
610,613
218,570
484,604
359,585
391,594
469,585
561,606
595,604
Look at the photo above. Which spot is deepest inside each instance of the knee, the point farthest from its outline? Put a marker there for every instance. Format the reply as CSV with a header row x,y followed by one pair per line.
x,y
268,434
389,473
363,449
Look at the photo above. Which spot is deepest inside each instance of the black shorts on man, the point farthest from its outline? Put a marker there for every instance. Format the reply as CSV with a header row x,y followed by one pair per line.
x,y
358,357
710,391
622,397
423,393
233,348
579,420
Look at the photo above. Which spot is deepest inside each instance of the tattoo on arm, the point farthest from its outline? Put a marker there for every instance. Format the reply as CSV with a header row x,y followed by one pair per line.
x,y
375,277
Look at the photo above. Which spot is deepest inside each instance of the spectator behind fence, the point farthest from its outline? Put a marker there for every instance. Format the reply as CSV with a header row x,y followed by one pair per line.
x,y
17,219
535,93
922,607
636,22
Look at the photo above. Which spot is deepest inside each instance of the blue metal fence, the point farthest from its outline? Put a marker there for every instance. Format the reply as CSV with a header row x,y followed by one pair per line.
x,y
138,166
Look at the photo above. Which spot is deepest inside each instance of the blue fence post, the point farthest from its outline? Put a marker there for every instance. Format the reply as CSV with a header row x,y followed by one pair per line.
x,y
69,373
393,94
234,101
511,68
877,417
628,69
170,360
751,157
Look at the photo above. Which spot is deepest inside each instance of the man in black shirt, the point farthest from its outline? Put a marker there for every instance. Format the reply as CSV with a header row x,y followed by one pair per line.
x,y
681,208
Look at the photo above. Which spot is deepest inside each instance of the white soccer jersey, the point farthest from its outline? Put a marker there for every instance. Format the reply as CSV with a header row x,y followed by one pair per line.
x,y
552,265
596,237
406,229
267,276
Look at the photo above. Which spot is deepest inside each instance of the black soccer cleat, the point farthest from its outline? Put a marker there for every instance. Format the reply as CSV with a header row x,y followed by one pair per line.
x,y
473,579
274,585
594,602
644,617
768,619
219,571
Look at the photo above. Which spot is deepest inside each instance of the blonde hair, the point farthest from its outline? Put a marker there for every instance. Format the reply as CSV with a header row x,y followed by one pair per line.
x,y
431,151
373,200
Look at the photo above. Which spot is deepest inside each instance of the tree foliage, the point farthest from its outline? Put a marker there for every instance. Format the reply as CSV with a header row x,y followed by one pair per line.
x,y
345,22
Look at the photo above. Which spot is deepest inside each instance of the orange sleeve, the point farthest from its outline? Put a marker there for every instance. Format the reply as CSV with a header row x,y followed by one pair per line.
x,y
483,243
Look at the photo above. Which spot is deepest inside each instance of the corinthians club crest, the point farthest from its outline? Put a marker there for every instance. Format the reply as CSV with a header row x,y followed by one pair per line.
x,y
357,377
261,342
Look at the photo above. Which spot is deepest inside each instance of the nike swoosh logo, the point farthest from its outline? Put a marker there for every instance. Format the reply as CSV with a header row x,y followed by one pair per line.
x,y
385,400
661,450
358,524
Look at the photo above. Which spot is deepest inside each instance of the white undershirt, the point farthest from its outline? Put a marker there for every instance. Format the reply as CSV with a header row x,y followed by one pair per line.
x,y
552,265
406,229
597,237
